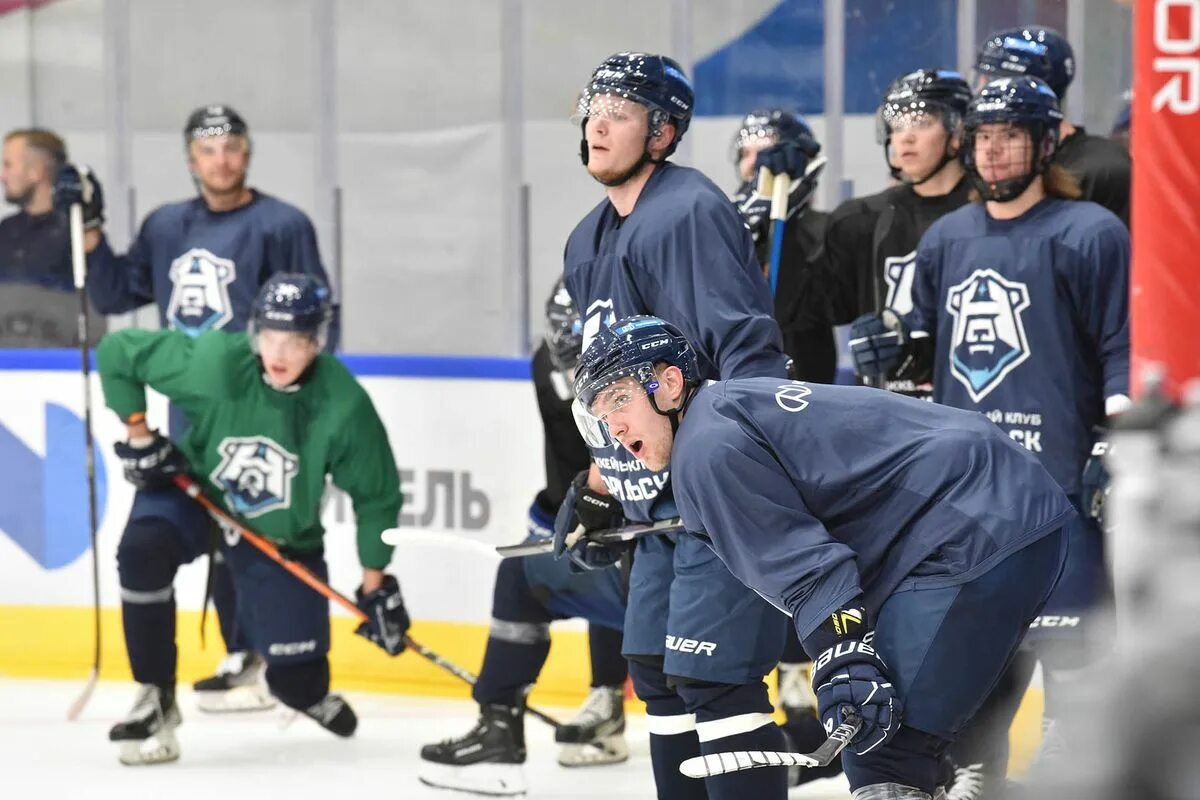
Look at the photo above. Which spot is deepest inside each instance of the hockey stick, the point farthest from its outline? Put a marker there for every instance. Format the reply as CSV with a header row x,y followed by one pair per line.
x,y
778,187
739,760
610,536
306,576
79,268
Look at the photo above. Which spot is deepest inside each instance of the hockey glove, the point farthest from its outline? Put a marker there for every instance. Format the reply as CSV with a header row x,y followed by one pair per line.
x,y
790,157
78,185
591,511
849,676
874,348
1096,479
152,463
387,619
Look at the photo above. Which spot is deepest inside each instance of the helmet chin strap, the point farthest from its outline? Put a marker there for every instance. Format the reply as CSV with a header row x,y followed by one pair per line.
x,y
642,161
673,414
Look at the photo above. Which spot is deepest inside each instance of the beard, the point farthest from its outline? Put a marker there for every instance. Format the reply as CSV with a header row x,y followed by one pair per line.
x,y
615,176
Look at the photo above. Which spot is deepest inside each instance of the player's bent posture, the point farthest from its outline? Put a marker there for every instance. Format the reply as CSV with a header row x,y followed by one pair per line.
x,y
667,240
530,593
271,416
1023,299
201,261
911,543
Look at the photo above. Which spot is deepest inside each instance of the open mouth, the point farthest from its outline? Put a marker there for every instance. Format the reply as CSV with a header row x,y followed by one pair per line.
x,y
635,447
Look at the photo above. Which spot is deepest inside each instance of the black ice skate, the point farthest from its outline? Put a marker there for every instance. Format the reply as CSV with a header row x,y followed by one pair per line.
x,y
238,685
486,760
334,714
147,734
595,735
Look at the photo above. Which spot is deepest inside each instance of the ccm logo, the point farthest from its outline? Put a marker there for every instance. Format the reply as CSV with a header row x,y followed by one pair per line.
x,y
291,648
1052,621
1180,55
690,645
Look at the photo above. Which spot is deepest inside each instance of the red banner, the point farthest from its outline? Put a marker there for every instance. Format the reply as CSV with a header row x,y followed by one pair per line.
x,y
1165,305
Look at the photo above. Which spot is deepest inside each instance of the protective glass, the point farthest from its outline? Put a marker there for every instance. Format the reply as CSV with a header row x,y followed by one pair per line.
x,y
608,104
597,403
894,118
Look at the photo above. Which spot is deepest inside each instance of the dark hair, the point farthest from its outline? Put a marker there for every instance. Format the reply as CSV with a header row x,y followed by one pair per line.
x,y
45,142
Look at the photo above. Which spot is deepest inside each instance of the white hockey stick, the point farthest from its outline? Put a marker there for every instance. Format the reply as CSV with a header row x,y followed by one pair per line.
x,y
627,533
738,760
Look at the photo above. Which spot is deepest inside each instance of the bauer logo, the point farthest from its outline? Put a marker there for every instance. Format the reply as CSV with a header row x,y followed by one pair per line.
x,y
255,474
898,273
988,340
200,297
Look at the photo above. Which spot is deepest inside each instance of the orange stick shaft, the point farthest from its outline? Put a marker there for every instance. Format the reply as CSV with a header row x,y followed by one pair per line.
x,y
193,490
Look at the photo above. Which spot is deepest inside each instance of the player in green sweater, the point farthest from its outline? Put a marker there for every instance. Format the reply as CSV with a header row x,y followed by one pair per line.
x,y
271,416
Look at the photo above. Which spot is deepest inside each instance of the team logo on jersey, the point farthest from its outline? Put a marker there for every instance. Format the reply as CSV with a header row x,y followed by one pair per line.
x,y
989,338
898,272
255,474
790,397
200,299
600,315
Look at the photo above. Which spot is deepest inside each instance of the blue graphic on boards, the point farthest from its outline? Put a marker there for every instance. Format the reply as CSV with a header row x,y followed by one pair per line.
x,y
44,505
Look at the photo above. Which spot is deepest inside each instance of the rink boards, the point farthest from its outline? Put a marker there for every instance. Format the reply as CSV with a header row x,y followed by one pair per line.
x,y
468,443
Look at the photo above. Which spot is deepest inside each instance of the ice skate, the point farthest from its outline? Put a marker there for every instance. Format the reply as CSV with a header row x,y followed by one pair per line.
x,y
238,685
596,735
147,734
485,761
333,714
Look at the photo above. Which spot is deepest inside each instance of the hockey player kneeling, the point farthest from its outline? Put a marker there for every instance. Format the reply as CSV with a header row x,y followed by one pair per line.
x,y
911,543
271,416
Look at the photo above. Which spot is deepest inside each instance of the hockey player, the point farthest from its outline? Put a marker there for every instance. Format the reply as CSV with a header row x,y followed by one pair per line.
x,y
1023,302
271,417
871,242
531,592
807,337
202,261
1101,166
667,240
911,543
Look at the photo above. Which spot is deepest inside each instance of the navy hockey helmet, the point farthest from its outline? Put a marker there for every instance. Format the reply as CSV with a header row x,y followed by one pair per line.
x,y
941,93
1033,51
654,81
1022,102
769,126
292,301
629,348
216,120
564,329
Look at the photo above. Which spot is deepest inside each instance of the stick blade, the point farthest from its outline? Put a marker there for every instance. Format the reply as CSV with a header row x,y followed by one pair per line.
x,y
77,707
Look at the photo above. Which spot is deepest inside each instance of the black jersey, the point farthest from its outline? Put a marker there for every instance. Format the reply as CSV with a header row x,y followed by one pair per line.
x,y
871,245
804,320
36,248
566,454
1102,168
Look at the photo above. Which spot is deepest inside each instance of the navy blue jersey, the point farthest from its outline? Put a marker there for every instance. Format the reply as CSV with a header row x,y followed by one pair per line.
x,y
682,254
202,268
1031,321
813,495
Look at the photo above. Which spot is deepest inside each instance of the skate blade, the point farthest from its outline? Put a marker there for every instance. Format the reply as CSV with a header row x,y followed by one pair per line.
x,y
613,750
486,780
240,699
160,748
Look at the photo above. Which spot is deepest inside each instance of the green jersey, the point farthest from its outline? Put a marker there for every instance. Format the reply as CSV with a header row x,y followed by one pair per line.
x,y
263,451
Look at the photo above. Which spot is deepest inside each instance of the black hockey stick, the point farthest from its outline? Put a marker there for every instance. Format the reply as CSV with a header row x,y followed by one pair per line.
x,y
627,533
79,268
314,582
739,760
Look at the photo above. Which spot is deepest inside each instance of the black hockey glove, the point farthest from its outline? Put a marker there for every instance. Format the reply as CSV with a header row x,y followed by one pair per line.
x,y
387,619
152,465
591,511
756,209
78,185
790,157
1096,479
882,347
849,676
